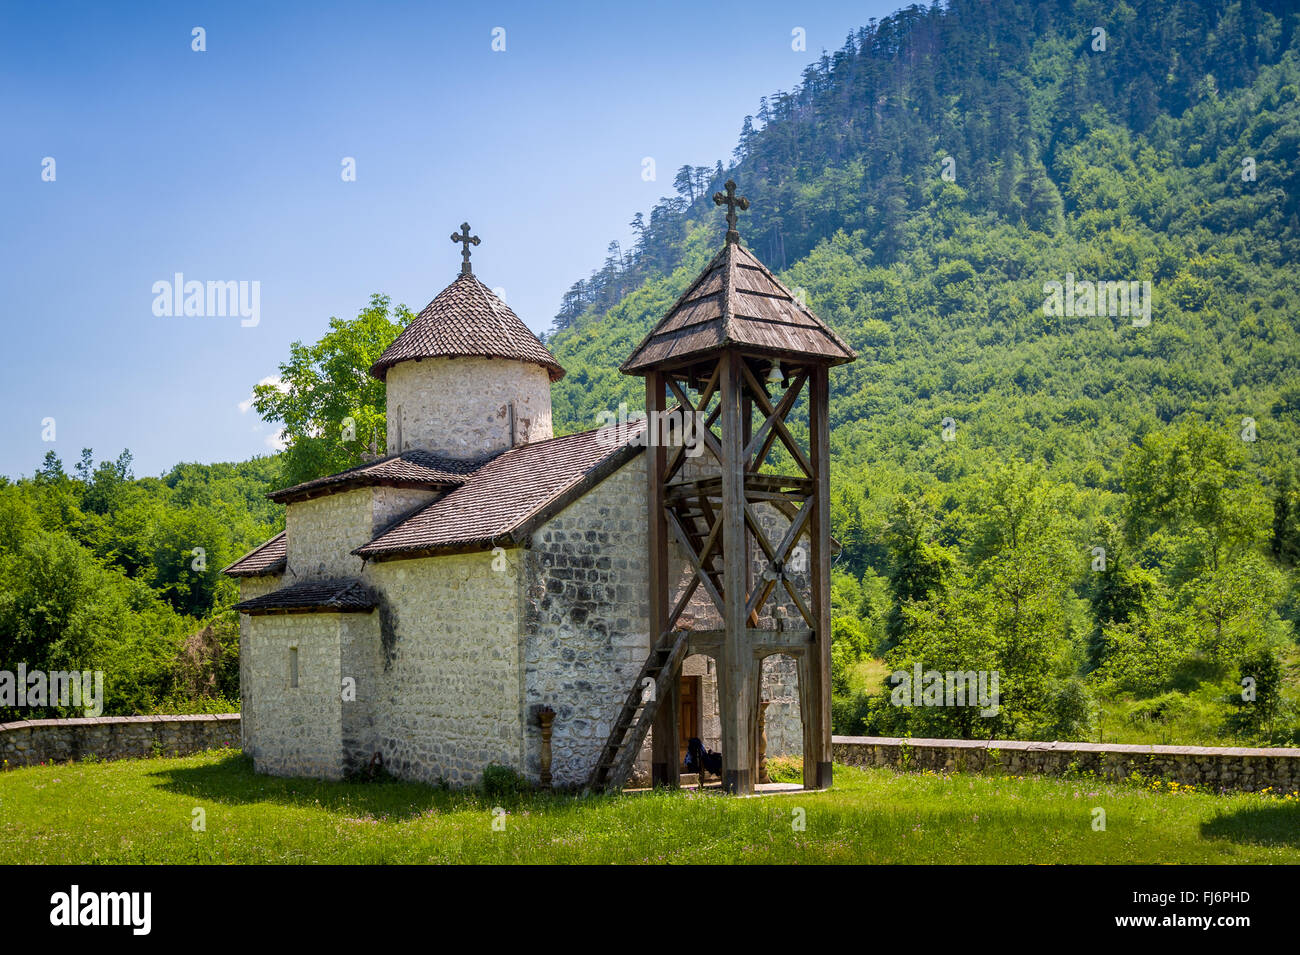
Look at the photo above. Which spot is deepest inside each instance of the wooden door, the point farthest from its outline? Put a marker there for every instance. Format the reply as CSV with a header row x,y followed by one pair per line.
x,y
689,713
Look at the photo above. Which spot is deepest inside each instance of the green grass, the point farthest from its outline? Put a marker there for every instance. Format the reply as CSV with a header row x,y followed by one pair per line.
x,y
136,811
1194,719
866,675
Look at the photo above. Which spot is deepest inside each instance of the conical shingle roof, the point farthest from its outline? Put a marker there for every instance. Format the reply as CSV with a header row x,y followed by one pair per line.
x,y
737,302
466,320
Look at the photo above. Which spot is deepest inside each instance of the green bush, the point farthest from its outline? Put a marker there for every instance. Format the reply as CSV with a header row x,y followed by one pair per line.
x,y
1165,708
785,769
1256,716
849,714
503,781
1072,709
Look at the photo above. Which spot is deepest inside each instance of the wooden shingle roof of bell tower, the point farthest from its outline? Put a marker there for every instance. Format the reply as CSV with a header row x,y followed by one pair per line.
x,y
737,303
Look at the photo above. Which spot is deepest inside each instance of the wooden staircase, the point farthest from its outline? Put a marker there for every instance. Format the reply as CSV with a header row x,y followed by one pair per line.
x,y
636,716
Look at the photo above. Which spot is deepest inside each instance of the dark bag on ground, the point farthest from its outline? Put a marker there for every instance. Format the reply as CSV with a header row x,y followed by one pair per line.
x,y
697,756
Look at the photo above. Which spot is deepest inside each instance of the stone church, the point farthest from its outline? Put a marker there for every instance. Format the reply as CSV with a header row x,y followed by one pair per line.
x,y
422,610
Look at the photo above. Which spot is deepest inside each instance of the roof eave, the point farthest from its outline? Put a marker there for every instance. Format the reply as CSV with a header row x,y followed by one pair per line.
x,y
627,367
229,569
285,497
694,358
554,370
601,470
470,546
271,570
269,611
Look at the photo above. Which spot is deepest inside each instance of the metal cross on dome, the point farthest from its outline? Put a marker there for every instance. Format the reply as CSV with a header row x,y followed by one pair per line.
x,y
466,240
732,202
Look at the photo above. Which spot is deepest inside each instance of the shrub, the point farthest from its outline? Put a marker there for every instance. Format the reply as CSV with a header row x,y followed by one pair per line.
x,y
849,714
503,781
1072,711
1255,716
785,769
842,657
1162,709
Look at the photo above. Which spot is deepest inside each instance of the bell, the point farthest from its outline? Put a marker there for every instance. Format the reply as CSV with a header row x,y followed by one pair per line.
x,y
774,375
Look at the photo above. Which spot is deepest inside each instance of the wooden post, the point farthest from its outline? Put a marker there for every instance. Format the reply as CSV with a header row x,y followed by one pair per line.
x,y
809,713
747,433
817,764
756,720
763,776
665,769
737,665
545,717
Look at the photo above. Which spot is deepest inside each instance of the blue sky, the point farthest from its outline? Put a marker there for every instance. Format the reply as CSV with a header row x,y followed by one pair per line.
x,y
225,165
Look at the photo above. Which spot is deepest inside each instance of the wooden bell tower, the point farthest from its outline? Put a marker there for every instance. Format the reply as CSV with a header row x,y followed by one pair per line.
x,y
741,491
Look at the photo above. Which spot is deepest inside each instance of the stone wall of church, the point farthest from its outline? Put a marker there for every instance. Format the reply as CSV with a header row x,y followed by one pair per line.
x,y
298,730
324,530
784,722
391,504
780,675
586,621
250,587
460,407
449,690
360,670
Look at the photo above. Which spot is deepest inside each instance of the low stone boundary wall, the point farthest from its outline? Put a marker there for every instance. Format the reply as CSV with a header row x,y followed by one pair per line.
x,y
1238,768
31,742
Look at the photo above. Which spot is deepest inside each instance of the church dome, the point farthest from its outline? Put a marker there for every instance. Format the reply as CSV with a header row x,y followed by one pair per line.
x,y
467,320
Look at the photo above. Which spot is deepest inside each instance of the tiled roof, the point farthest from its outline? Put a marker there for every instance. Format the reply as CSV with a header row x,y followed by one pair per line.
x,y
467,320
736,301
314,596
264,559
413,468
506,498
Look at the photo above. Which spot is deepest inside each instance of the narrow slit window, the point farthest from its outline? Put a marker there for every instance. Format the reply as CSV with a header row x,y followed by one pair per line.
x,y
293,666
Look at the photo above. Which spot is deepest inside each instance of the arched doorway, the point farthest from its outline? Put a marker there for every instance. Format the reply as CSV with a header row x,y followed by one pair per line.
x,y
698,713
781,720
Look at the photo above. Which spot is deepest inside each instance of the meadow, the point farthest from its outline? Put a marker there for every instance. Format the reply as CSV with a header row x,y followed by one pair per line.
x,y
212,808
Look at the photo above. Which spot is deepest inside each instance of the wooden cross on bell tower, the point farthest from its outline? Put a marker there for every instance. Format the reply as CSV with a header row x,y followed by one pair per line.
x,y
732,202
466,240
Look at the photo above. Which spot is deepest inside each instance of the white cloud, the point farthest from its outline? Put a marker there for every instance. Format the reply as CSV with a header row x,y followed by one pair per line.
x,y
247,403
276,442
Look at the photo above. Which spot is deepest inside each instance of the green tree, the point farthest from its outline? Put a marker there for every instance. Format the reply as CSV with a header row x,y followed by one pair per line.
x,y
1144,652
1231,610
1260,700
1026,563
942,634
1116,588
919,567
1195,481
1285,541
326,385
